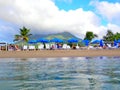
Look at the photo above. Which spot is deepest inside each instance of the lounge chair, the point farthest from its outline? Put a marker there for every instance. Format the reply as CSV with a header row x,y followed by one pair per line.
x,y
68,47
25,47
77,47
64,46
40,47
47,46
31,47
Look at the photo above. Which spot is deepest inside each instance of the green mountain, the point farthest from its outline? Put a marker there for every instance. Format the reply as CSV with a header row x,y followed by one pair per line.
x,y
63,35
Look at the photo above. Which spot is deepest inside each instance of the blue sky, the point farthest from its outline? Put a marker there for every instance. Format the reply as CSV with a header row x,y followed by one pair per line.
x,y
73,4
84,4
54,16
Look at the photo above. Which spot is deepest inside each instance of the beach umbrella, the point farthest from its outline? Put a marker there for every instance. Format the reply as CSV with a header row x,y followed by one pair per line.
x,y
73,40
118,40
43,40
95,41
32,41
56,40
101,43
86,42
115,42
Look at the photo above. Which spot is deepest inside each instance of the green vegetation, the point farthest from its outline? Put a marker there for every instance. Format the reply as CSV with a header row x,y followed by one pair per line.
x,y
117,36
62,35
90,35
24,35
110,36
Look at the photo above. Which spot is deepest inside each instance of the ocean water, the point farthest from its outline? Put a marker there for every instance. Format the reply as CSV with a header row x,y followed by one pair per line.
x,y
67,73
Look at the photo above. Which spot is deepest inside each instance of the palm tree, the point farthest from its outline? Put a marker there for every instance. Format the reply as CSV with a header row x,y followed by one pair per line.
x,y
109,36
90,35
24,35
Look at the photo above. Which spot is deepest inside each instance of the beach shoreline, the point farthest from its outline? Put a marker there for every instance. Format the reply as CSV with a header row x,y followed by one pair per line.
x,y
59,53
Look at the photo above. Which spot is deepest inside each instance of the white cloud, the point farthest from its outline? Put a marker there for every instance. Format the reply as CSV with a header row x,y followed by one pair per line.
x,y
42,16
103,29
113,27
111,11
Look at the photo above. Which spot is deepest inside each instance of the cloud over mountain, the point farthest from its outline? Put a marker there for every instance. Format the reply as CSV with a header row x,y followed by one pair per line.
x,y
43,16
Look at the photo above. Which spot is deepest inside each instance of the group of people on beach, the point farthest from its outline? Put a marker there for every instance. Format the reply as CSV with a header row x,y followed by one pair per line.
x,y
14,47
105,46
10,47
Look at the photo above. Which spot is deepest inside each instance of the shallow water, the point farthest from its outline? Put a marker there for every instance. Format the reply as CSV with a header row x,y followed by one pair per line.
x,y
74,73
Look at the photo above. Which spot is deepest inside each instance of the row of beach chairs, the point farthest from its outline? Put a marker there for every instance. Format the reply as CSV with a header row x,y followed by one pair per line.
x,y
64,47
47,46
56,46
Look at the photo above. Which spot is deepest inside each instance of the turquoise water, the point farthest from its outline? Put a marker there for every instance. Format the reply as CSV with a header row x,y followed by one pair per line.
x,y
74,73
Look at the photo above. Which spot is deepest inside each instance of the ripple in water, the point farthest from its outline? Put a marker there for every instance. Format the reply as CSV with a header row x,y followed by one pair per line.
x,y
74,73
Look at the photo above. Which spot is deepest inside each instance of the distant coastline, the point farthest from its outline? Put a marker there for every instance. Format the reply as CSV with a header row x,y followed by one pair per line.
x,y
59,53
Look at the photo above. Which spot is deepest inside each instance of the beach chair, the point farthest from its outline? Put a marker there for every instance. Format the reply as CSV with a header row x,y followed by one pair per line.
x,y
25,47
31,47
77,47
91,47
40,47
68,47
47,46
64,46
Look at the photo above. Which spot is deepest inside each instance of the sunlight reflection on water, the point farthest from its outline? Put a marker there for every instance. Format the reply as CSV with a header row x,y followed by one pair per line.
x,y
67,73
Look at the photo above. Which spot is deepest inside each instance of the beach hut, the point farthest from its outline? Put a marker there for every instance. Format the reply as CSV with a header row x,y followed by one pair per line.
x,y
5,44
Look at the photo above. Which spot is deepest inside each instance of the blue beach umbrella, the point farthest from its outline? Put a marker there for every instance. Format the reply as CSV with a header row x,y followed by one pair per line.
x,y
118,40
56,40
73,40
86,42
115,42
95,41
43,40
32,41
101,43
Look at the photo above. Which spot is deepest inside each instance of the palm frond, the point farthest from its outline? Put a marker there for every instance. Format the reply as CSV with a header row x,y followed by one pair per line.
x,y
17,37
24,34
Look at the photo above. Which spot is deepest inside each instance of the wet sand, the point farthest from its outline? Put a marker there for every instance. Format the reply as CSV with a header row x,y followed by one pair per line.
x,y
58,53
